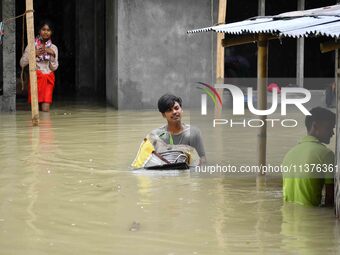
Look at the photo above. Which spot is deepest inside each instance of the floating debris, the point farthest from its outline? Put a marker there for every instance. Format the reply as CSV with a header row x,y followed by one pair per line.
x,y
135,226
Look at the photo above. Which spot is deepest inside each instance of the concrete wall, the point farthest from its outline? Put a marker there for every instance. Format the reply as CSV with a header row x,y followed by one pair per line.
x,y
1,57
7,100
99,37
111,53
155,55
148,52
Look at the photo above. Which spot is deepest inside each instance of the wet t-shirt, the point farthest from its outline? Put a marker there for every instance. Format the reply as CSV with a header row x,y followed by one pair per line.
x,y
190,135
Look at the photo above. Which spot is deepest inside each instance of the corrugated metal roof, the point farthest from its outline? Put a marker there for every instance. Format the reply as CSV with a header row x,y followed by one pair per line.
x,y
321,21
329,29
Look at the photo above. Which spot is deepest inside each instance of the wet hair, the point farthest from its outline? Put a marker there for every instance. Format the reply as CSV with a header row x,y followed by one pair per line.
x,y
43,23
319,114
167,101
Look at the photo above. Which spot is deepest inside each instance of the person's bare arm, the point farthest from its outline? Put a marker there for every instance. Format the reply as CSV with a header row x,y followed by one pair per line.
x,y
53,51
24,58
50,52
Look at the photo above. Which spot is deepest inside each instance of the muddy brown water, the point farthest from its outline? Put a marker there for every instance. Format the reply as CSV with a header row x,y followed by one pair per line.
x,y
66,188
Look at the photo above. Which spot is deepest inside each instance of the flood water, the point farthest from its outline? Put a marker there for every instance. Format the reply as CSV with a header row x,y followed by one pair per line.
x,y
66,188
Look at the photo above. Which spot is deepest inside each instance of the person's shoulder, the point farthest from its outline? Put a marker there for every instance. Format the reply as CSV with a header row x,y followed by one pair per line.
x,y
187,126
324,154
192,129
292,152
323,149
158,130
314,147
328,153
53,46
312,142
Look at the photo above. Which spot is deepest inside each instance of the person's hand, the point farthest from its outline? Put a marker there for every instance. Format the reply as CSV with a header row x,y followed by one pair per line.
x,y
39,52
49,51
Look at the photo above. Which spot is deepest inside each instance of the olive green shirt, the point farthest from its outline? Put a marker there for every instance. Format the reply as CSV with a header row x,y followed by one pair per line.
x,y
307,189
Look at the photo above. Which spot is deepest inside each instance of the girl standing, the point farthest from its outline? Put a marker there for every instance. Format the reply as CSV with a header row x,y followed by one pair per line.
x,y
47,62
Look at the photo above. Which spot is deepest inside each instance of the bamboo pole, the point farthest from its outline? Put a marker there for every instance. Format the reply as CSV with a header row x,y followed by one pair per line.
x,y
32,62
261,8
262,51
300,52
262,62
337,146
222,10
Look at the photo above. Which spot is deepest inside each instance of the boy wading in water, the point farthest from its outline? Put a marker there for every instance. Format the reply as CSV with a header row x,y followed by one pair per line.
x,y
176,132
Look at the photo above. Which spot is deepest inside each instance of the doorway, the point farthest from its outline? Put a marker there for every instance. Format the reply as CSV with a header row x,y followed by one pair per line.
x,y
79,34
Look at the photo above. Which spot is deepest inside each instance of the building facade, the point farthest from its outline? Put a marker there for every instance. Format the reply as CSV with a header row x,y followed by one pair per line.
x,y
128,53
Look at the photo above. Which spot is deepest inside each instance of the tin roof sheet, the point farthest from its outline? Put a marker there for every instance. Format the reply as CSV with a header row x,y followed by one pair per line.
x,y
321,21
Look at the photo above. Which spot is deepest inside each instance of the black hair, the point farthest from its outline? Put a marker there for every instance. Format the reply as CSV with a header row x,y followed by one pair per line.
x,y
167,101
43,23
319,114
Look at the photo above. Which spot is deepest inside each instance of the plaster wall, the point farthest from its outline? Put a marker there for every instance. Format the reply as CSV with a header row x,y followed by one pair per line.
x,y
153,52
7,97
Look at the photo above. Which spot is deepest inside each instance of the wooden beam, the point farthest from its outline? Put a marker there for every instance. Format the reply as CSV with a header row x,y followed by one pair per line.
x,y
222,10
329,46
245,39
337,142
32,62
262,66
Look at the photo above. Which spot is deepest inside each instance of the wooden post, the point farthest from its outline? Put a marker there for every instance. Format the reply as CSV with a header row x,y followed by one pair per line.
x,y
300,52
32,62
337,146
222,10
262,61
262,49
261,8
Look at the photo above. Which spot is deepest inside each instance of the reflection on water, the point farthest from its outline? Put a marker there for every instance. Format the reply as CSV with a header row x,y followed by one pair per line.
x,y
65,188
